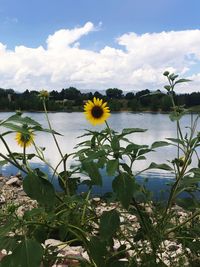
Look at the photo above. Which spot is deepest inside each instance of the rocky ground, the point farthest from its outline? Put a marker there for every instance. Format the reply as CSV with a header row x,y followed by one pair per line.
x,y
11,191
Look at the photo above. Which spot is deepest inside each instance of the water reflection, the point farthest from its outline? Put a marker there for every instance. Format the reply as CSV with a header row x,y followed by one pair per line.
x,y
156,182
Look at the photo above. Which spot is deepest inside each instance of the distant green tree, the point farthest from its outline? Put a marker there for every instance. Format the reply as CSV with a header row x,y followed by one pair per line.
x,y
26,93
68,106
72,93
114,93
115,105
129,96
2,92
87,96
98,95
55,95
134,105
166,103
155,103
142,93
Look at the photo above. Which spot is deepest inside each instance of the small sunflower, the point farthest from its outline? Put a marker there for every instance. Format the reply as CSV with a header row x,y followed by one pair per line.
x,y
24,140
96,111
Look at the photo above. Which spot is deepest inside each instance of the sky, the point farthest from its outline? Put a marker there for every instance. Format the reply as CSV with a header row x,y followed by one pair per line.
x,y
98,44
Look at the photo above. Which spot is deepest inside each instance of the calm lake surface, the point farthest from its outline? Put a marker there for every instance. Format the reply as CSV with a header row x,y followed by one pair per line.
x,y
72,125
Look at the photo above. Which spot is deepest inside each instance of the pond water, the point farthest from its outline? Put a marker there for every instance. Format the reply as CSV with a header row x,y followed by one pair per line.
x,y
72,125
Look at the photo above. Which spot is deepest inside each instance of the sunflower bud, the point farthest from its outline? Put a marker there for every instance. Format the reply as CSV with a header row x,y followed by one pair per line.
x,y
44,94
181,161
166,73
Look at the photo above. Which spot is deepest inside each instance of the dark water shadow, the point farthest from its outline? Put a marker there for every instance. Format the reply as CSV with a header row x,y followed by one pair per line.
x,y
157,183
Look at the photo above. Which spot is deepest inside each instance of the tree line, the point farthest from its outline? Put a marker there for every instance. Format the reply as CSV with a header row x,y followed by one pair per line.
x,y
72,99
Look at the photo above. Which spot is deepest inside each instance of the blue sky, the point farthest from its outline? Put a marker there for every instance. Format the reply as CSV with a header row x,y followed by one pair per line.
x,y
30,23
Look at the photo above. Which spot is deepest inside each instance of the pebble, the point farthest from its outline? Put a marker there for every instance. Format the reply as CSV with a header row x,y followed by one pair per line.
x,y
2,199
11,190
96,199
12,181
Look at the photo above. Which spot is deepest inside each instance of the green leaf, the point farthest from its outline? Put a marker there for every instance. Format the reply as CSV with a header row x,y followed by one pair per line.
x,y
176,140
93,172
16,128
182,81
8,242
28,253
116,263
124,187
93,155
65,180
167,87
126,168
112,166
173,76
176,116
39,189
134,148
159,144
115,143
30,156
144,151
126,131
187,203
3,162
163,166
109,224
98,251
101,162
39,128
141,158
188,184
7,225
22,120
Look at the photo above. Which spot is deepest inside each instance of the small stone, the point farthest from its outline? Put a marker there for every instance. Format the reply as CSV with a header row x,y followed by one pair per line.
x,y
13,181
2,199
132,218
96,199
2,255
20,211
22,193
122,220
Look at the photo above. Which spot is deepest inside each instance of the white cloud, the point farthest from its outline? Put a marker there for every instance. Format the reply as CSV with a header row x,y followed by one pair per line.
x,y
63,38
137,64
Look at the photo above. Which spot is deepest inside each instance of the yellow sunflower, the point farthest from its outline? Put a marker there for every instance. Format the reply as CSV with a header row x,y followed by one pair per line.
x,y
96,111
24,140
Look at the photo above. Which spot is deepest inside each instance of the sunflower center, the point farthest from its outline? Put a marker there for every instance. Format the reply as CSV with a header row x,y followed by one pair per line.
x,y
97,112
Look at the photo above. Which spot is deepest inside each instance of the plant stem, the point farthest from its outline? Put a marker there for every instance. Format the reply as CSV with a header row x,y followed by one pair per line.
x,y
85,206
13,163
183,223
64,158
9,152
109,130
